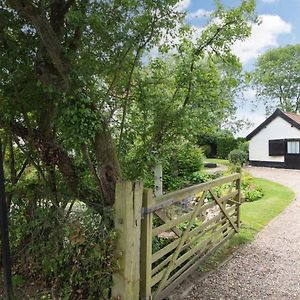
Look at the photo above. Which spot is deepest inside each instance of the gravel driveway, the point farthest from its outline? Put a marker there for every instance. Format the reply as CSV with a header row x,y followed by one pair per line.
x,y
269,267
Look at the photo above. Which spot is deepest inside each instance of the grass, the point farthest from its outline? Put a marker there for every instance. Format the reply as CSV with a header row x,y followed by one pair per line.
x,y
254,217
217,161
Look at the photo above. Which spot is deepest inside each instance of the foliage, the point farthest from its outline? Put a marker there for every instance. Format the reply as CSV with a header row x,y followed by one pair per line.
x,y
237,157
208,150
250,191
218,144
82,106
179,162
244,146
180,167
74,258
200,177
226,142
208,143
253,193
67,78
277,80
159,243
78,93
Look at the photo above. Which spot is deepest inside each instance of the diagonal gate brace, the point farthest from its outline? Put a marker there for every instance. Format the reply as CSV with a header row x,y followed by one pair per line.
x,y
218,201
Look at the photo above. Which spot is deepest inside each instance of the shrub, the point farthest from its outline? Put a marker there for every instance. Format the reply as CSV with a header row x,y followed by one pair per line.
x,y
217,174
237,157
74,257
250,191
200,177
189,159
225,144
207,150
208,142
179,167
244,147
87,261
253,193
179,162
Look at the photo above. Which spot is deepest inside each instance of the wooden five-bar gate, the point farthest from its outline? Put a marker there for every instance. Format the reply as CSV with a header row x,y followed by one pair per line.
x,y
164,239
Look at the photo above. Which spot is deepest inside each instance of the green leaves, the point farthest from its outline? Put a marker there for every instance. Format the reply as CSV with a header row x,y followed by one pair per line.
x,y
277,78
77,119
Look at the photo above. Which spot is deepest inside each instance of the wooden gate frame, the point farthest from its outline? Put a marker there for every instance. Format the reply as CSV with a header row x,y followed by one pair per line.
x,y
134,209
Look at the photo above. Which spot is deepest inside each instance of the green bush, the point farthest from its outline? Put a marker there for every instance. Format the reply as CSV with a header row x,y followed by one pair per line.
x,y
207,150
179,167
74,257
244,146
200,177
88,259
225,144
189,159
250,191
237,157
178,161
253,194
208,142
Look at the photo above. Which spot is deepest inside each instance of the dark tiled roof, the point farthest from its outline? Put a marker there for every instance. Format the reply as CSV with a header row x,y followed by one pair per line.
x,y
292,118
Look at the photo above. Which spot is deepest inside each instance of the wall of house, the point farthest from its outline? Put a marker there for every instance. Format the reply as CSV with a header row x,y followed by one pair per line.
x,y
259,144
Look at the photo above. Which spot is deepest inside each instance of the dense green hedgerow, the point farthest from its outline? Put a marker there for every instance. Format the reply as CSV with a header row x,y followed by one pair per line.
x,y
74,256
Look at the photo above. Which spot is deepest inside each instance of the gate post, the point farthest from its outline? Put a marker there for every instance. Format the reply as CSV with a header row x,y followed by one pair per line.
x,y
128,206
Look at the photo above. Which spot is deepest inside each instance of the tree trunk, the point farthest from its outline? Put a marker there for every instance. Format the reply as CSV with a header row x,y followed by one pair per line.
x,y
107,162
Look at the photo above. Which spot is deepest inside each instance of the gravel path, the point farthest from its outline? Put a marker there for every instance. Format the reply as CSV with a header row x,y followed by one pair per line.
x,y
219,168
269,267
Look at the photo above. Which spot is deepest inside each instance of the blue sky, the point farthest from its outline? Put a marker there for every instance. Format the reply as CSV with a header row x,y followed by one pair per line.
x,y
280,25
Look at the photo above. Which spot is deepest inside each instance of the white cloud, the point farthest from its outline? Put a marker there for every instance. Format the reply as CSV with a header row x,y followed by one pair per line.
x,y
200,13
262,37
182,5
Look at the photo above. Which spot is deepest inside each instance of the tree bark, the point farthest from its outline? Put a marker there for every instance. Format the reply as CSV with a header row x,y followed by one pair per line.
x,y
107,161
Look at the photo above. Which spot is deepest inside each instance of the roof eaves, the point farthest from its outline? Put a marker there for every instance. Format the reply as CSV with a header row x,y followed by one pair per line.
x,y
277,113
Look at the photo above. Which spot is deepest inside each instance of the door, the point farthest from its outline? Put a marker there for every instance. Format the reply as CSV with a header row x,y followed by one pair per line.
x,y
292,156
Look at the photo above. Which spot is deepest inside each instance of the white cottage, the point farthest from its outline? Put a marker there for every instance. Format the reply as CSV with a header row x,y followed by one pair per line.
x,y
276,142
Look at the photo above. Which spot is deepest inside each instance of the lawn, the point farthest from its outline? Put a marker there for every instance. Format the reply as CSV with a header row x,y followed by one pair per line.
x,y
219,161
254,217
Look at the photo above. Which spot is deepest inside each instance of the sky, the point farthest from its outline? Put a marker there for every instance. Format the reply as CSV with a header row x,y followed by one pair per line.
x,y
280,25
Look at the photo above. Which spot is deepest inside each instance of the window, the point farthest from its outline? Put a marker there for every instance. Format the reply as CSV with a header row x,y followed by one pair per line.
x,y
293,147
277,147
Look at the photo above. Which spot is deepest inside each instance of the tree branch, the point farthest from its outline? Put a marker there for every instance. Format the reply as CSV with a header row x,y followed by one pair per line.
x,y
49,39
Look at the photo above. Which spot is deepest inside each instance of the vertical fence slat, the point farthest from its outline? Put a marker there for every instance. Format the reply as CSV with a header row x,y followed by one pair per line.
x,y
146,247
128,204
238,199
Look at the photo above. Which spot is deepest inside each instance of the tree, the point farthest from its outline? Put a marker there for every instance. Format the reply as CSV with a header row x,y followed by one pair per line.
x,y
66,68
73,77
277,78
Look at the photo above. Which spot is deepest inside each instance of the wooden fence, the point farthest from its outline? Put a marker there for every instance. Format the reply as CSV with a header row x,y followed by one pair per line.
x,y
164,239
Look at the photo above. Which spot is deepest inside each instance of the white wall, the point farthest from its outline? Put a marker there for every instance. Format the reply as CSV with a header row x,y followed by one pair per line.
x,y
277,129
